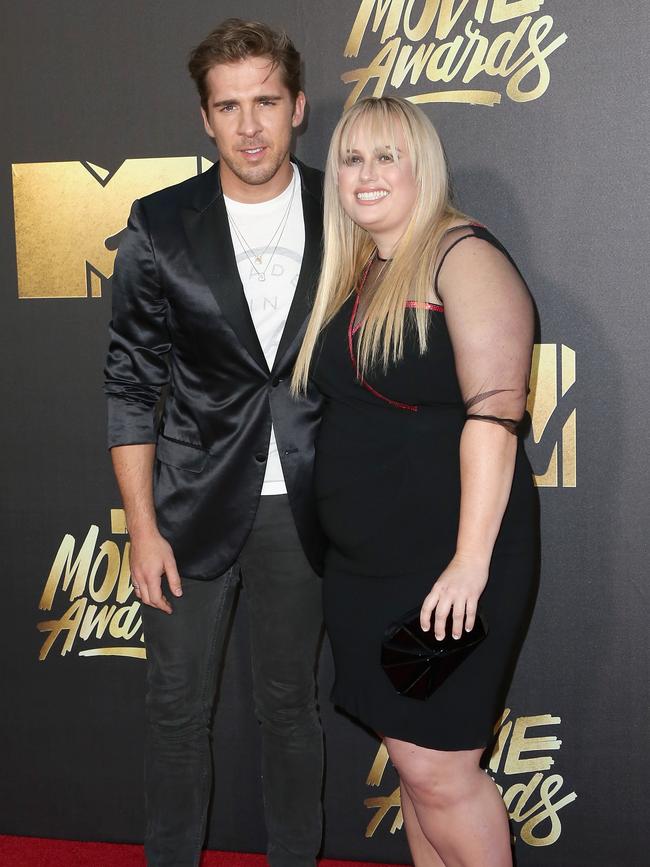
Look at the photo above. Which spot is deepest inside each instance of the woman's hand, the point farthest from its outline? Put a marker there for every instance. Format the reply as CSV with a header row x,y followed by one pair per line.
x,y
457,590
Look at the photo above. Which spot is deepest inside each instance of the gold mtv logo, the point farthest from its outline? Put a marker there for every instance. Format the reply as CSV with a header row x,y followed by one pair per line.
x,y
552,447
68,215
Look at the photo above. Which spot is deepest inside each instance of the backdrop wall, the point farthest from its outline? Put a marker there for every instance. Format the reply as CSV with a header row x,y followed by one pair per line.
x,y
545,119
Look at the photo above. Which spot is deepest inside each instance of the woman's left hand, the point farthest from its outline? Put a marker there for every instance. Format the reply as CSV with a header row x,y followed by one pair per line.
x,y
456,590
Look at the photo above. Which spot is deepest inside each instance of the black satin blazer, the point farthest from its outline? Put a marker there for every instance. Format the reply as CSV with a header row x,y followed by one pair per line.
x,y
181,321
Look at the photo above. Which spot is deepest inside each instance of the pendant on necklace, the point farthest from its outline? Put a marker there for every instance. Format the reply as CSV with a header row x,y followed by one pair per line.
x,y
258,260
261,277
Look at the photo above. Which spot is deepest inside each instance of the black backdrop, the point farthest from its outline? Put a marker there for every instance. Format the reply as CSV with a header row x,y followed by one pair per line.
x,y
98,109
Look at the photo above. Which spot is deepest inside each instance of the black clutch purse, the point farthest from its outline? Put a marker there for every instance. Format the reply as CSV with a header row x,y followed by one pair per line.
x,y
416,662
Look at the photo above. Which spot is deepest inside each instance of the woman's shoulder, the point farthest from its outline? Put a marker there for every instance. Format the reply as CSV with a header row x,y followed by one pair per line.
x,y
474,236
465,227
469,249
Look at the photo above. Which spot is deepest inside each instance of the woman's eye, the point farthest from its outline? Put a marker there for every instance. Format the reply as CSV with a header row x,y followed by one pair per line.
x,y
386,158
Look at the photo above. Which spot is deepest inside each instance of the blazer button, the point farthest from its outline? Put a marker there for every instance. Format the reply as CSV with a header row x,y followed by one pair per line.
x,y
275,382
260,458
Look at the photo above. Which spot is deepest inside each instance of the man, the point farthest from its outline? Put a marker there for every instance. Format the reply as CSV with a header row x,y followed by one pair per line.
x,y
211,292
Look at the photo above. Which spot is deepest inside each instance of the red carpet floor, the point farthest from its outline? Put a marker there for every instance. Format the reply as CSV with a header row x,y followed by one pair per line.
x,y
37,852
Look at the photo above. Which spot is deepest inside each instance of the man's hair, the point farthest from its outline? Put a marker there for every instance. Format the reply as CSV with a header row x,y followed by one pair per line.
x,y
234,40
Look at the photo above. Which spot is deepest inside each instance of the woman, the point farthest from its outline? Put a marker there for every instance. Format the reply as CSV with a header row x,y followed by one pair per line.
x,y
424,488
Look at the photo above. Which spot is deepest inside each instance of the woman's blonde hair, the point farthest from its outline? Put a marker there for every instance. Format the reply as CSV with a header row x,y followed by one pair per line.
x,y
347,247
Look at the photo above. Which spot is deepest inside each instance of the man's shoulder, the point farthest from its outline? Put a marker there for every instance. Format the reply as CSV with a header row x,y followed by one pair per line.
x,y
188,193
312,178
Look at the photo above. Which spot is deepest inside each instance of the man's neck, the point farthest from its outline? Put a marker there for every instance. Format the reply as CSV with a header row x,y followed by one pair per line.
x,y
252,194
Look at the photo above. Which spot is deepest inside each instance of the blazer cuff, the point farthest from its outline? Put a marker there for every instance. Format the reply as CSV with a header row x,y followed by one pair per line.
x,y
130,424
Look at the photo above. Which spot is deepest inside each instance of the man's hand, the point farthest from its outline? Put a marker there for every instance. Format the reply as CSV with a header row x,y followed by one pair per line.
x,y
151,558
151,555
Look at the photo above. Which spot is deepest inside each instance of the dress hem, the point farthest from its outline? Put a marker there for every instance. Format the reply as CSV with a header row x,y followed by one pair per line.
x,y
382,732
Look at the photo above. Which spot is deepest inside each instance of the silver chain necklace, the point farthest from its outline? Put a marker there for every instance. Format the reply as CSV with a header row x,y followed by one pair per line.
x,y
279,231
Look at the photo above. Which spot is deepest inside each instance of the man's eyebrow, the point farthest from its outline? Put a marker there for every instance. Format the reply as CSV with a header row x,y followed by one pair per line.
x,y
219,103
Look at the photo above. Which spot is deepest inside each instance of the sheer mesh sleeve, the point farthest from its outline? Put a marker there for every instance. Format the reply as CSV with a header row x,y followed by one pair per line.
x,y
489,315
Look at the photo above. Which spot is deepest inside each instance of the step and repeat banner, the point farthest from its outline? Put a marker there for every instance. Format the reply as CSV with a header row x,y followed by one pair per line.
x,y
544,113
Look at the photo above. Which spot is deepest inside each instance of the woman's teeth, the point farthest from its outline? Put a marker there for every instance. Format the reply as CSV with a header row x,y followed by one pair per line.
x,y
375,194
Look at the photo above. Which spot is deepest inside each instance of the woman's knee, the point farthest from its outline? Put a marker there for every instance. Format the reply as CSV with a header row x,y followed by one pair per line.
x,y
436,778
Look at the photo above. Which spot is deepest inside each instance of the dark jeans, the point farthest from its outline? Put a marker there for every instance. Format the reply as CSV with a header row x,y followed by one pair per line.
x,y
185,652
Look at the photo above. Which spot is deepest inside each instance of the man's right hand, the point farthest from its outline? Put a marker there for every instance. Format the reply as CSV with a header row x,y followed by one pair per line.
x,y
151,557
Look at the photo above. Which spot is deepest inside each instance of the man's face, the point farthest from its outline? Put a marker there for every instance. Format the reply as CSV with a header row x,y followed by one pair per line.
x,y
251,115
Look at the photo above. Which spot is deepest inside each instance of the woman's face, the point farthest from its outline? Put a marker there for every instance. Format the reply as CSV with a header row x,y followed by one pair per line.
x,y
377,190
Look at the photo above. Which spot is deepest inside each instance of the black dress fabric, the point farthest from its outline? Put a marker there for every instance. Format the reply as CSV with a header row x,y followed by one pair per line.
x,y
388,492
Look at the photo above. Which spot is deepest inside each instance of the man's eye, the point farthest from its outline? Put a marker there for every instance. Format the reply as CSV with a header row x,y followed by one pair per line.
x,y
226,108
267,102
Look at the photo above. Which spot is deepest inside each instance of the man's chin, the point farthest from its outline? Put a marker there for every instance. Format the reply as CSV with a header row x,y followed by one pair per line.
x,y
255,175
259,176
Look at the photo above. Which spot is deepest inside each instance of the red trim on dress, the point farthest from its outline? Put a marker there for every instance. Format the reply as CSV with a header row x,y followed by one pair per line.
x,y
352,330
397,404
427,305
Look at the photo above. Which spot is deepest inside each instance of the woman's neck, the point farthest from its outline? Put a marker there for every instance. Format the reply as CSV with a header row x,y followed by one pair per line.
x,y
386,243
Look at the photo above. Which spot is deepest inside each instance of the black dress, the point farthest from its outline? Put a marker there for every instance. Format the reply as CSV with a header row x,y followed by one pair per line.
x,y
388,489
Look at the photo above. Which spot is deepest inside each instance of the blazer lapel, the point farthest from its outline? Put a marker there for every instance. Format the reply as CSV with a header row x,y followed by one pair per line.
x,y
312,211
209,237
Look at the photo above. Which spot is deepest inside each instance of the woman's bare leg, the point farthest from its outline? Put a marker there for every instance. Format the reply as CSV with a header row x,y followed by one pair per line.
x,y
422,852
458,807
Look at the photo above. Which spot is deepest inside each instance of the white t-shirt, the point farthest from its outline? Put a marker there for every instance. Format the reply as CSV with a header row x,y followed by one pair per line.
x,y
269,241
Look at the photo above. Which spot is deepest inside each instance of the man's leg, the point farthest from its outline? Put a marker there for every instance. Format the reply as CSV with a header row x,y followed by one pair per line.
x,y
283,597
184,656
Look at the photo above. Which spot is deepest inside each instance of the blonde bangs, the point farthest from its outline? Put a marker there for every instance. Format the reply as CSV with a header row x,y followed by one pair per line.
x,y
379,128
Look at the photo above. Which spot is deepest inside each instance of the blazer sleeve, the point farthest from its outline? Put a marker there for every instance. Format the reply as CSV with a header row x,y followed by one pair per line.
x,y
136,368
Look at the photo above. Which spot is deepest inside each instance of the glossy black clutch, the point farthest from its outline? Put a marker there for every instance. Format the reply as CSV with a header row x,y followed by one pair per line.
x,y
416,662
